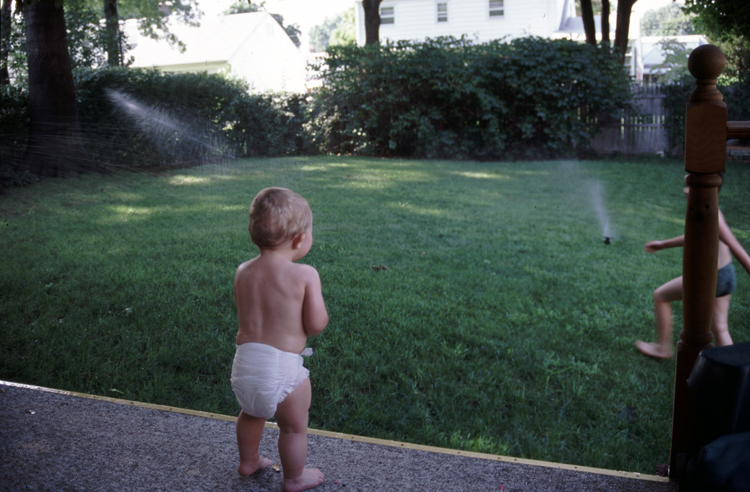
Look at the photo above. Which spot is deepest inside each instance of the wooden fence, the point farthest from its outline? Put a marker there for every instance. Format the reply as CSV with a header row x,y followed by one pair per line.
x,y
640,131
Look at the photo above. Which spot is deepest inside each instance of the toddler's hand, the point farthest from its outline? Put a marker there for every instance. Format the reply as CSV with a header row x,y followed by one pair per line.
x,y
653,246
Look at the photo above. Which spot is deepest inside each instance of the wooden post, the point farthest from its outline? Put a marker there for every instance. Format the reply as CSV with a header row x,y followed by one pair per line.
x,y
705,149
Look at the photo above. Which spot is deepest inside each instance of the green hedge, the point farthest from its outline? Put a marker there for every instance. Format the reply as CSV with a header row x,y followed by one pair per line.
x,y
442,98
144,117
14,125
449,98
138,117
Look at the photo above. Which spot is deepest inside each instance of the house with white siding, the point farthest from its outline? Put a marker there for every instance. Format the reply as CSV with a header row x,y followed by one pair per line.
x,y
480,20
486,20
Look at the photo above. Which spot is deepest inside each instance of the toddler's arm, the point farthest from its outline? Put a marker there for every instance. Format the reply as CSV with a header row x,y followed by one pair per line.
x,y
675,242
314,314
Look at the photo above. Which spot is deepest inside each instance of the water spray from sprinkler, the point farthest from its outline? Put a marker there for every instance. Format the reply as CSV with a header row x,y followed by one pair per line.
x,y
161,127
607,237
597,200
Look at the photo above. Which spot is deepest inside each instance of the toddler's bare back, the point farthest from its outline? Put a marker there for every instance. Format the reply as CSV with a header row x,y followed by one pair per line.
x,y
269,293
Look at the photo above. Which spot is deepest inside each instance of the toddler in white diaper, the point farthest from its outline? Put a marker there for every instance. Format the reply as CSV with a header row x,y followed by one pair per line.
x,y
279,304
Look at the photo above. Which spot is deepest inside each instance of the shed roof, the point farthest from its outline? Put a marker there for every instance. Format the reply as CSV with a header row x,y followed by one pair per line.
x,y
216,39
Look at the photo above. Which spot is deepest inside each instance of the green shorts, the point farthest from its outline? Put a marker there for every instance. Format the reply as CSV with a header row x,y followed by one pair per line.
x,y
726,280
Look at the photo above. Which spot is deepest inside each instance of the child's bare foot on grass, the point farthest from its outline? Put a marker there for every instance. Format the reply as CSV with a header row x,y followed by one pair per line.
x,y
654,350
311,477
253,466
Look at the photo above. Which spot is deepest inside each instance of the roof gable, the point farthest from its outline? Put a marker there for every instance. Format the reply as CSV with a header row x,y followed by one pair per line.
x,y
216,39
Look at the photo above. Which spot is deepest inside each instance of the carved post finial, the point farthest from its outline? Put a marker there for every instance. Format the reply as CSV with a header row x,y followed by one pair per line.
x,y
706,63
706,118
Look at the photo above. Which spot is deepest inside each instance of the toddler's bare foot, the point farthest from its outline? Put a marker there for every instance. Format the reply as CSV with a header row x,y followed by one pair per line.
x,y
311,477
253,466
654,350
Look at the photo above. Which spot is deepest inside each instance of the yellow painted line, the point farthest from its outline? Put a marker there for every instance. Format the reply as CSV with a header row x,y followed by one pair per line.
x,y
350,437
491,457
152,406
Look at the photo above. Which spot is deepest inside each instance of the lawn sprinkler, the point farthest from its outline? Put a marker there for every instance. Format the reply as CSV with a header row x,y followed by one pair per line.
x,y
607,239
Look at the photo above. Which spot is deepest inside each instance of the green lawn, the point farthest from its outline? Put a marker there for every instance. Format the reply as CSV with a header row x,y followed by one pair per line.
x,y
473,305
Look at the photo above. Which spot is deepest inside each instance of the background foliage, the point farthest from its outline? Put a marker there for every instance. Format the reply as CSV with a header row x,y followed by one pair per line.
x,y
449,98
727,24
332,32
14,125
168,119
445,98
87,38
669,20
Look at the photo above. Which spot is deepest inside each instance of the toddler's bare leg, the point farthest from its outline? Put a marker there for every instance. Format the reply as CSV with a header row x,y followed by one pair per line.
x,y
291,415
249,432
663,296
720,325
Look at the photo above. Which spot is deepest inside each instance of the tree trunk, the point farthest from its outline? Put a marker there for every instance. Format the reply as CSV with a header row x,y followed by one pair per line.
x,y
587,14
5,25
114,58
624,7
372,21
54,146
605,21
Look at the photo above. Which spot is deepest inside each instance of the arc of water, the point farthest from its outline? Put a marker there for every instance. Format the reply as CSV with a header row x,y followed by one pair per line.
x,y
597,202
155,121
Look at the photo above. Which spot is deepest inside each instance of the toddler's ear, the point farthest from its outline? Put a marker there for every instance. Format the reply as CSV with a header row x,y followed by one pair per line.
x,y
298,239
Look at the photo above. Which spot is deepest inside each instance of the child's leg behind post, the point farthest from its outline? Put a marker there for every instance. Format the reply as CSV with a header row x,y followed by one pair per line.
x,y
663,297
291,416
249,433
720,324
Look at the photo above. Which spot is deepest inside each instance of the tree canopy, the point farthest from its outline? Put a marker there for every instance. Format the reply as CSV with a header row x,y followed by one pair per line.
x,y
152,17
670,20
721,19
333,31
727,24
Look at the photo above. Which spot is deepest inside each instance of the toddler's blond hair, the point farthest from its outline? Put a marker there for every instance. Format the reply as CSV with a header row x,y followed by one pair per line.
x,y
276,215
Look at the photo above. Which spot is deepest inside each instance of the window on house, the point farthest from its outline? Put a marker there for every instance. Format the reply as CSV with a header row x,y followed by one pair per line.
x,y
496,8
387,15
442,12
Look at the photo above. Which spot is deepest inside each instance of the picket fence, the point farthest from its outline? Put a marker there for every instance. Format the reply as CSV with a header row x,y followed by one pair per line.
x,y
642,130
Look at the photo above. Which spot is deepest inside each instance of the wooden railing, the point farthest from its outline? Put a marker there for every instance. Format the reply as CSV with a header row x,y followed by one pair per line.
x,y
738,129
706,134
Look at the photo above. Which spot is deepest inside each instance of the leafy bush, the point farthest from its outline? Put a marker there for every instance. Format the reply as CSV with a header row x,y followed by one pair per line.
x,y
272,124
676,98
449,98
737,96
14,124
87,37
146,118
